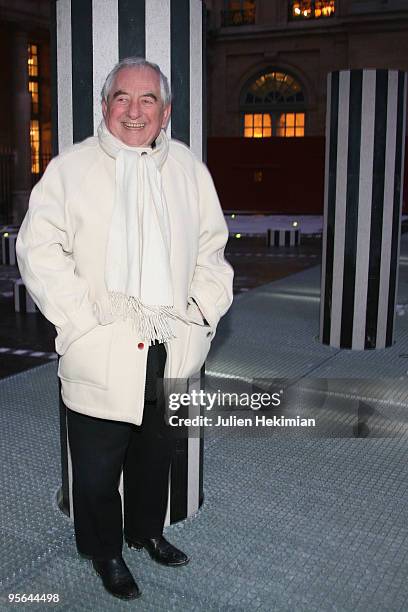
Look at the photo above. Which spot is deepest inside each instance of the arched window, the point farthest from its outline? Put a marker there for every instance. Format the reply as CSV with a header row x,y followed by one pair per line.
x,y
273,104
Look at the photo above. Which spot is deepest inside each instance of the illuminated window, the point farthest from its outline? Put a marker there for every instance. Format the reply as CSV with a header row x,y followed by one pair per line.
x,y
257,126
35,124
273,104
311,9
35,146
32,60
33,89
238,13
291,124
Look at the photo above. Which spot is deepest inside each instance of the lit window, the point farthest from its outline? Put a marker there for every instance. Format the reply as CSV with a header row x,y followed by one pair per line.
x,y
274,88
273,104
311,9
33,60
257,125
33,89
291,124
35,146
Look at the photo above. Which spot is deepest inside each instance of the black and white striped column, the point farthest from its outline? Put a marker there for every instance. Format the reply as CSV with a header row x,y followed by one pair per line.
x,y
23,302
89,37
8,248
365,139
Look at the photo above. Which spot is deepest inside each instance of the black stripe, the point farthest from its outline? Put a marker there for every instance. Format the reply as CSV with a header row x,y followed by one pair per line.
x,y
82,69
351,226
287,238
180,69
396,213
132,30
201,471
268,237
179,478
377,208
297,238
276,240
63,501
331,177
6,250
54,90
22,298
204,79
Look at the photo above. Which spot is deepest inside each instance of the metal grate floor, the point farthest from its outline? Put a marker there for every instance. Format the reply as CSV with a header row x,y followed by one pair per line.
x,y
292,521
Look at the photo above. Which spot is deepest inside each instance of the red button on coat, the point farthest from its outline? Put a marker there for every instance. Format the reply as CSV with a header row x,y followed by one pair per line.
x,y
140,345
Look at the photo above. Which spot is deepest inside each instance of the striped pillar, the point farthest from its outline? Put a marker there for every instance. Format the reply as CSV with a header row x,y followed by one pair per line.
x,y
8,248
89,37
365,140
23,302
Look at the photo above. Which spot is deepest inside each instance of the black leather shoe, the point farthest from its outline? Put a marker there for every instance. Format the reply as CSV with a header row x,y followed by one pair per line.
x,y
161,551
116,577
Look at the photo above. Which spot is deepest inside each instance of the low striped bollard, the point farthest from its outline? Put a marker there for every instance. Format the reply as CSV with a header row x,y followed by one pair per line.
x,y
8,249
23,301
283,237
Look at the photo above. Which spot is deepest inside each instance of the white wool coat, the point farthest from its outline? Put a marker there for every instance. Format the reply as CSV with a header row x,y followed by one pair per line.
x,y
61,249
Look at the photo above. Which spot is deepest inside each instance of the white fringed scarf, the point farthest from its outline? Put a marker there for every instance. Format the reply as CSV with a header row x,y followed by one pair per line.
x,y
137,269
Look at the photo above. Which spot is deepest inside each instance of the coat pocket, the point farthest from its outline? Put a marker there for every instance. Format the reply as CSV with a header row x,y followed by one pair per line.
x,y
196,350
87,359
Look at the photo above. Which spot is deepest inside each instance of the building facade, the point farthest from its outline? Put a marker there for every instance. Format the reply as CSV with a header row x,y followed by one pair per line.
x,y
267,67
268,62
291,45
25,105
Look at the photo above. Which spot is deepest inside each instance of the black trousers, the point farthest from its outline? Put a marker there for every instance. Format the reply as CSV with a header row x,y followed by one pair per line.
x,y
100,449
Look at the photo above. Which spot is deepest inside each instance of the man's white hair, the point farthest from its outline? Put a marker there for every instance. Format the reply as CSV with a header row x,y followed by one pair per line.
x,y
137,62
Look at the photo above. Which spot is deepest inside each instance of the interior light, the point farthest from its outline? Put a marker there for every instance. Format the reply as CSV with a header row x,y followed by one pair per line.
x,y
6,235
237,235
295,224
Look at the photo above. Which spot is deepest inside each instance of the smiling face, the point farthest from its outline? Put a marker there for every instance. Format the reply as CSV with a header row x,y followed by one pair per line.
x,y
135,112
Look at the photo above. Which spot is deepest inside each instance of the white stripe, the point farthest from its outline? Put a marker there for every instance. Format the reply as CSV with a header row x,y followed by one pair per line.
x,y
64,74
105,48
122,496
325,205
281,237
196,78
167,517
70,483
340,214
158,45
390,150
193,465
364,208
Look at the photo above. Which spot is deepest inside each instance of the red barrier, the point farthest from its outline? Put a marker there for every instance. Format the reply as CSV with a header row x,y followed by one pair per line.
x,y
272,175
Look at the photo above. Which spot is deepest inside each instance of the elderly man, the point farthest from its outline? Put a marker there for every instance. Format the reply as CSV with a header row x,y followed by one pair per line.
x,y
122,249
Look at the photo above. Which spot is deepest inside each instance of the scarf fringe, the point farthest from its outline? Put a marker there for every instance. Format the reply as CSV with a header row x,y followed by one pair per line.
x,y
152,323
